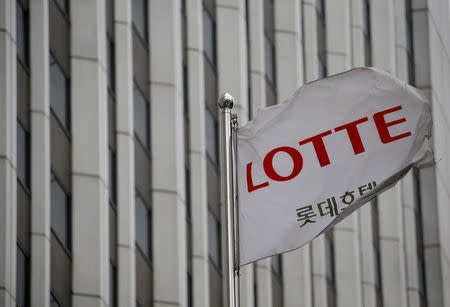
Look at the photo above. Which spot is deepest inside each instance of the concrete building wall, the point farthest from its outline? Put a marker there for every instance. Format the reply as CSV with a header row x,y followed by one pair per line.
x,y
378,253
439,48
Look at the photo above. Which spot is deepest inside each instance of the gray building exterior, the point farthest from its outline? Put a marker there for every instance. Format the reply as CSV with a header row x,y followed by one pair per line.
x,y
109,163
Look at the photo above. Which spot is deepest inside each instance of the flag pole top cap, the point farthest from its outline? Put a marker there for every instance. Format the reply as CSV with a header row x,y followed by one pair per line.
x,y
226,101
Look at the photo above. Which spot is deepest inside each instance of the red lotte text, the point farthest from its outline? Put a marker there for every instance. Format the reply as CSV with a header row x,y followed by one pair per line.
x,y
321,152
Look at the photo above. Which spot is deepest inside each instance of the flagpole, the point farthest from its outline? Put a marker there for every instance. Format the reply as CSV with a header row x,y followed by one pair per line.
x,y
226,103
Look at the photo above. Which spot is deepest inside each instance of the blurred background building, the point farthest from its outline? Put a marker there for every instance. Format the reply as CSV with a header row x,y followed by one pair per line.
x,y
109,177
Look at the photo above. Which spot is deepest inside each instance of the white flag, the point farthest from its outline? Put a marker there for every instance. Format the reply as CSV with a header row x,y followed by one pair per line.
x,y
306,164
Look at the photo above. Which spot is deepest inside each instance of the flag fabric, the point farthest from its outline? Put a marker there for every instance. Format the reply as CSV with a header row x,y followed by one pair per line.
x,y
305,164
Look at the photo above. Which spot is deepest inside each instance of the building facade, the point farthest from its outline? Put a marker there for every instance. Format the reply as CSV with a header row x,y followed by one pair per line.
x,y
109,161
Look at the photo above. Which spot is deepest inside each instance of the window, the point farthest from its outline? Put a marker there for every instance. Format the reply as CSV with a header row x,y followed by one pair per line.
x,y
269,55
320,5
330,269
189,290
214,239
185,90
141,117
422,279
60,212
329,258
410,41
112,286
367,33
112,176
376,251
366,15
59,93
22,33
409,28
23,156
111,70
209,37
53,301
377,270
63,5
143,227
419,237
322,68
187,176
140,18
211,136
183,6
377,264
22,279
276,264
417,194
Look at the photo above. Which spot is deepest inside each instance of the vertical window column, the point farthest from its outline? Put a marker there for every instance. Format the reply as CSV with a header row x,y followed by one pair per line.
x,y
321,39
211,132
367,32
419,239
112,149
23,156
376,253
60,154
142,153
269,52
187,162
330,270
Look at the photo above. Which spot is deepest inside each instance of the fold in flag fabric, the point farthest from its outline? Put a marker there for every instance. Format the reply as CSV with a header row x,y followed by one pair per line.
x,y
305,164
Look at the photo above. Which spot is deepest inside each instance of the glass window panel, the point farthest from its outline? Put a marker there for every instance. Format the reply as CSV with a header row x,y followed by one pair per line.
x,y
189,291
276,263
59,93
64,5
141,117
377,264
185,90
53,301
22,279
409,37
366,13
112,176
140,18
329,258
214,239
269,55
22,33
183,6
60,215
143,234
23,166
421,277
322,68
417,196
320,5
209,37
187,177
211,136
111,71
112,285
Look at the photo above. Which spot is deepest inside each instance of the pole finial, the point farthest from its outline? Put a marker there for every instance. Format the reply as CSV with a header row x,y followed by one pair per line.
x,y
226,101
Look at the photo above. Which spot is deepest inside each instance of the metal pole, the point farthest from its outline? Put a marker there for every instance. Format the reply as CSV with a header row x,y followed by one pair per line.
x,y
226,103
235,128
